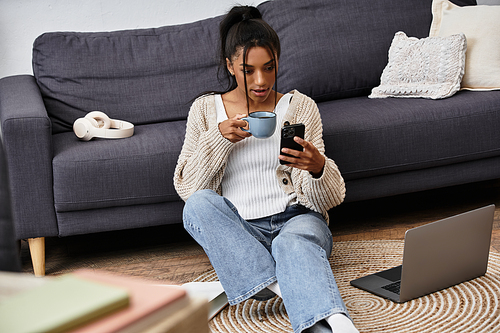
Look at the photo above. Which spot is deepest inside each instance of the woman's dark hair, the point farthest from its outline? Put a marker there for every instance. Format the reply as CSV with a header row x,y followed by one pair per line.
x,y
241,29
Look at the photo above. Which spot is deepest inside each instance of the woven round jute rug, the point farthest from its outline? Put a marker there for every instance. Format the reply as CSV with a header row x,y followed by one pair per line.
x,y
473,306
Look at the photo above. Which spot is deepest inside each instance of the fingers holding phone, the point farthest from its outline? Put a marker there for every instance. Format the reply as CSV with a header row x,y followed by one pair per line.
x,y
290,148
299,153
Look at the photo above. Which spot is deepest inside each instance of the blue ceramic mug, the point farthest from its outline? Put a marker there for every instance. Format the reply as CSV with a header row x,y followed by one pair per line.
x,y
261,124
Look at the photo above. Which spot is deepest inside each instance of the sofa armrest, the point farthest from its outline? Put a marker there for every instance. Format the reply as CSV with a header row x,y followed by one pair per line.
x,y
26,133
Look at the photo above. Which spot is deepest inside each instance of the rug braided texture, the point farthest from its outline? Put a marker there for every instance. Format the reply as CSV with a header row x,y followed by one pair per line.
x,y
473,306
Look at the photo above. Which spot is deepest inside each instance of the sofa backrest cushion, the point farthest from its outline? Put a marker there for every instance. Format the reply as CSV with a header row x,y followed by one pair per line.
x,y
330,49
337,49
142,76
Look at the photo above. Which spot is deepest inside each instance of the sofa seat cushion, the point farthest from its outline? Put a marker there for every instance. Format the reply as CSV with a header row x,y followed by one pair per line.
x,y
109,173
372,137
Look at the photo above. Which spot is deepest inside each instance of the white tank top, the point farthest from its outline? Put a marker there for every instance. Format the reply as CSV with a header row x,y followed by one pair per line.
x,y
250,181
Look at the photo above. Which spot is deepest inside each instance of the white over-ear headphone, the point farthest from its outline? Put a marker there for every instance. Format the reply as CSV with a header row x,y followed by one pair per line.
x,y
97,124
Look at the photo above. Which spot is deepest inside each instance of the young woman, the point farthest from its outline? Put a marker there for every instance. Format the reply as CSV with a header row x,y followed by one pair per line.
x,y
263,225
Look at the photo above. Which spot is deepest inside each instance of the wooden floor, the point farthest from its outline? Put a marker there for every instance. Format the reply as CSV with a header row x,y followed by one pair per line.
x,y
168,253
389,218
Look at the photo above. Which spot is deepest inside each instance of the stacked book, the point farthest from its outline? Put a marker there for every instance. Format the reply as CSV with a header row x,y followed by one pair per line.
x,y
89,301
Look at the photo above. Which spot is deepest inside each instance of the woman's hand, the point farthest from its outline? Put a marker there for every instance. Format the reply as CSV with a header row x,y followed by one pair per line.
x,y
230,128
310,159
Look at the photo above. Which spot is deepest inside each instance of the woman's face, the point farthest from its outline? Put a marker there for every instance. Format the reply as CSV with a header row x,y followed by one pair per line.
x,y
260,74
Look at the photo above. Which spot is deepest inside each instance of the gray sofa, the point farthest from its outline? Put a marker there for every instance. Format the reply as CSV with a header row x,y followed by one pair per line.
x,y
9,253
332,50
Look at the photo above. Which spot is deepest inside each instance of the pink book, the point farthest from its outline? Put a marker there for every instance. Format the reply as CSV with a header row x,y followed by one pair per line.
x,y
149,303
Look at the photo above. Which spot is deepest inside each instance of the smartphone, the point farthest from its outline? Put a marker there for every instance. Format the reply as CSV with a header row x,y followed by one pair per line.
x,y
288,132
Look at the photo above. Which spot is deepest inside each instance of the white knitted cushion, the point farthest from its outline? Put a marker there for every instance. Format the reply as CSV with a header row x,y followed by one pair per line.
x,y
481,26
430,67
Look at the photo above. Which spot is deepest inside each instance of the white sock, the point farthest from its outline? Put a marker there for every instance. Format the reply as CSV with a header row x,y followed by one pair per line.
x,y
275,288
340,323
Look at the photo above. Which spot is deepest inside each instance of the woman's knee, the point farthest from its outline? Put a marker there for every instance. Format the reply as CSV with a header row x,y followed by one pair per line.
x,y
206,206
201,196
195,207
306,229
199,201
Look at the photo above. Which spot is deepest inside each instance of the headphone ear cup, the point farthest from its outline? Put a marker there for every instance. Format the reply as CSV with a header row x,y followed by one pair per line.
x,y
92,121
100,119
83,129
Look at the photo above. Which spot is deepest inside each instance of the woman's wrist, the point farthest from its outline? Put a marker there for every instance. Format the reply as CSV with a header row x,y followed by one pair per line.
x,y
318,173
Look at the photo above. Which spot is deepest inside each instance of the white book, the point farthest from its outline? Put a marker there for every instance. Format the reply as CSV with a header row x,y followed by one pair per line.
x,y
212,291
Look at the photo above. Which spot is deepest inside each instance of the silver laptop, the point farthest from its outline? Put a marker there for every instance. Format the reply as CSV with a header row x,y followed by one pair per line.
x,y
436,256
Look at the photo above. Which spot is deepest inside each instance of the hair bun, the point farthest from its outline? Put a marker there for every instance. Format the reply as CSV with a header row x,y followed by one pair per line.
x,y
249,12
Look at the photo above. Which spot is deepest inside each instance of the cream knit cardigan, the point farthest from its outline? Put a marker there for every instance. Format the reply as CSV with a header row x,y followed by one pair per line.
x,y
203,157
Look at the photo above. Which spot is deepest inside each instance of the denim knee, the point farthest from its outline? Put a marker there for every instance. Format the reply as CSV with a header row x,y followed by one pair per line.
x,y
199,198
308,229
194,207
207,206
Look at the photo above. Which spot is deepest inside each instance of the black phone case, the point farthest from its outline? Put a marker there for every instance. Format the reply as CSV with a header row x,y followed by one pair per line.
x,y
288,132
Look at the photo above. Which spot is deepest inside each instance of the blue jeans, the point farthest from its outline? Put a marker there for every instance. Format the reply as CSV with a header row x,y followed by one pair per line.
x,y
291,247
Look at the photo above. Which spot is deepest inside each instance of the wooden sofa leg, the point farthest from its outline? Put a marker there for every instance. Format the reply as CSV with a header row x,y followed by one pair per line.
x,y
37,250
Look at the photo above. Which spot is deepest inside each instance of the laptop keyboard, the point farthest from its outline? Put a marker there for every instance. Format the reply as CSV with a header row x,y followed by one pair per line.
x,y
393,287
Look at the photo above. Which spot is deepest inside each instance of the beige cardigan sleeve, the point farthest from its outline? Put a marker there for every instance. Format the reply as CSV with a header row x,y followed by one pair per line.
x,y
204,153
319,194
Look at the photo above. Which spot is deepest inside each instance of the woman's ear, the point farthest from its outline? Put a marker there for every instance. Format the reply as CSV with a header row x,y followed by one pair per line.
x,y
229,65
